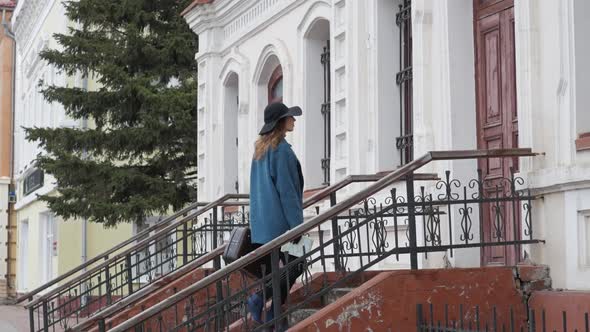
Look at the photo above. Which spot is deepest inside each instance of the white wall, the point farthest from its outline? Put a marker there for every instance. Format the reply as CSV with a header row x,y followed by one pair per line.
x,y
35,22
460,111
383,64
364,109
581,9
253,60
444,100
552,104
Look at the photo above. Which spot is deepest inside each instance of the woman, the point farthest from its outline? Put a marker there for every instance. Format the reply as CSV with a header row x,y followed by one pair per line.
x,y
276,196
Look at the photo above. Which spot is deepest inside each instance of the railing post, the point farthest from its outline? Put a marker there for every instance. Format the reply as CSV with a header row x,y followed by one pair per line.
x,y
184,243
276,287
129,273
101,325
107,279
32,318
45,317
214,239
419,318
217,267
335,236
412,221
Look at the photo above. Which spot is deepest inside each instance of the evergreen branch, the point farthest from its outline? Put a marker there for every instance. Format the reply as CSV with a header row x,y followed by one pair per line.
x,y
138,156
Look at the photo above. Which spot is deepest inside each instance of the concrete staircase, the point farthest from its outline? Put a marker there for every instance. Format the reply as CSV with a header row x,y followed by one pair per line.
x,y
331,297
300,293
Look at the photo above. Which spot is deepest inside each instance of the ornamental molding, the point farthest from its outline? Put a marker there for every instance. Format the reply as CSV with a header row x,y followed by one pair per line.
x,y
275,48
206,16
249,16
239,18
318,10
237,63
34,58
28,19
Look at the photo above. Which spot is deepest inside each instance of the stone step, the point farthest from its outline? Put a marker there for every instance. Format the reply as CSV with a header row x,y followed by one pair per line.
x,y
335,294
300,315
329,298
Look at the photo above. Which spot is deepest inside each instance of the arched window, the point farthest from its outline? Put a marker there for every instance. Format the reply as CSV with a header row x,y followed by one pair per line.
x,y
275,86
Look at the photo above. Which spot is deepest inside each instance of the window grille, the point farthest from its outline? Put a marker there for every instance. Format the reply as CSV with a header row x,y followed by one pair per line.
x,y
404,142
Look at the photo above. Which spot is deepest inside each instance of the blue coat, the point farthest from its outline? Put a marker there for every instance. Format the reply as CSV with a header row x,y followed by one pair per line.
x,y
276,193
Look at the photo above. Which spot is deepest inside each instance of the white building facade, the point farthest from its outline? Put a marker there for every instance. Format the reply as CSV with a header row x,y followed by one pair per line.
x,y
34,24
447,75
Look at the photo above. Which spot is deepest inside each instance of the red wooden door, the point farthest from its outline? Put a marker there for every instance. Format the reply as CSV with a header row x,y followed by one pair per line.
x,y
497,122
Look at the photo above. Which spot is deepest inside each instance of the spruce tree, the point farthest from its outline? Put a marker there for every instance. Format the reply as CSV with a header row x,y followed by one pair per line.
x,y
138,157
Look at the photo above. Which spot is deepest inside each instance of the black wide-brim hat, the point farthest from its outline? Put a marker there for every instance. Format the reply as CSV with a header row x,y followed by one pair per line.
x,y
274,112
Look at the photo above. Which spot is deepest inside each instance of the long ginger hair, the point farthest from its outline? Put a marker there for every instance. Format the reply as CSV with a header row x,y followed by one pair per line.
x,y
272,139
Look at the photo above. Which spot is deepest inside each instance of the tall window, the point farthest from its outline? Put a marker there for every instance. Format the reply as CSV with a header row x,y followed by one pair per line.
x,y
404,142
275,86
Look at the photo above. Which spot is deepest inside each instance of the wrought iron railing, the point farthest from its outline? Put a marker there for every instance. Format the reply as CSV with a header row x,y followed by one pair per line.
x,y
73,273
179,240
489,317
455,318
100,318
365,235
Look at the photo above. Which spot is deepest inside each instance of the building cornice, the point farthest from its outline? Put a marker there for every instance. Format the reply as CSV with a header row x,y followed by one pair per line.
x,y
559,179
194,4
238,19
34,196
207,16
236,38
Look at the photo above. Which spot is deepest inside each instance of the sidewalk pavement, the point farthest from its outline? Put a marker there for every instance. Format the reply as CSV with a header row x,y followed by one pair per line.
x,y
14,318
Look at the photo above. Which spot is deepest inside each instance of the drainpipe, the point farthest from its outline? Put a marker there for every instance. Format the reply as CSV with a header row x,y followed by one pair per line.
x,y
8,32
84,155
84,220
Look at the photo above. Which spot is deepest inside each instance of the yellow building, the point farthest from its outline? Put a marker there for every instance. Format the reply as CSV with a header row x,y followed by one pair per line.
x,y
48,246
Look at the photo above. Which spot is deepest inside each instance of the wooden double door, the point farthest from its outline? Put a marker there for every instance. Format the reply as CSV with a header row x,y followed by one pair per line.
x,y
497,122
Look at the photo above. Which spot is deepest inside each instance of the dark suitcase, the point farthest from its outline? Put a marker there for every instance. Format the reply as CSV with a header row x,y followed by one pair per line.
x,y
240,244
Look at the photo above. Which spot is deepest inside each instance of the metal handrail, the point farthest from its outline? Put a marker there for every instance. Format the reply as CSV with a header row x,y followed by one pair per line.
x,y
106,254
317,197
323,194
334,211
163,229
131,299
